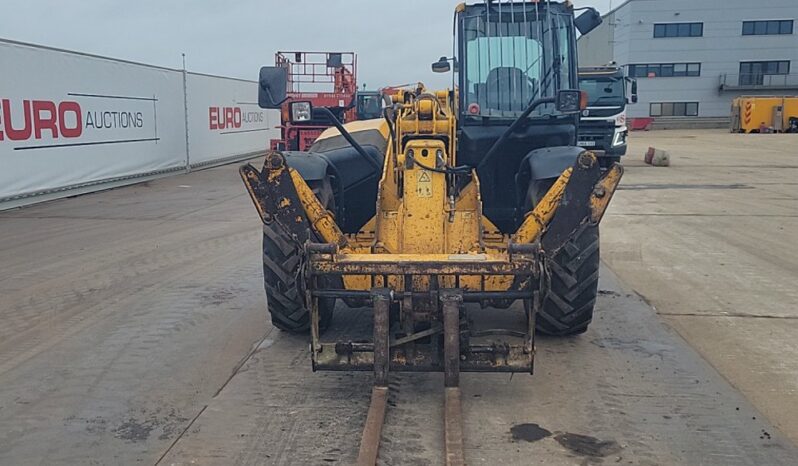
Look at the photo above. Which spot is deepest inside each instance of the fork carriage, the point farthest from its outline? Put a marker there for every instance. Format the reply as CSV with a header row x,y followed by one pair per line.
x,y
428,323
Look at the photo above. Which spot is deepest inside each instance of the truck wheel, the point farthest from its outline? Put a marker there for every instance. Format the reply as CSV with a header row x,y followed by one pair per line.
x,y
568,307
285,294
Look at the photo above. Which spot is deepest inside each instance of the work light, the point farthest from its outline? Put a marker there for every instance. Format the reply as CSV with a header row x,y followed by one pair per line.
x,y
300,111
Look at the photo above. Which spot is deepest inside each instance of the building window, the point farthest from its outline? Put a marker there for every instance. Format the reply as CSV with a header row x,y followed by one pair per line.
x,y
675,109
767,28
664,70
679,30
756,73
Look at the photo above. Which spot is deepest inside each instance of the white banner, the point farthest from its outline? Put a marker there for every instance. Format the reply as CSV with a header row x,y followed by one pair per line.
x,y
70,120
224,119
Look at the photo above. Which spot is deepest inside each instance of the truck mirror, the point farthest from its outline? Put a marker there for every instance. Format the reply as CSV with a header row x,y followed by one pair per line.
x,y
441,66
634,91
587,21
272,86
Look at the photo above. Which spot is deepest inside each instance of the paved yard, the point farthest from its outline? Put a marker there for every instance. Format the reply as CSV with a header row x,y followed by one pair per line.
x,y
710,242
134,331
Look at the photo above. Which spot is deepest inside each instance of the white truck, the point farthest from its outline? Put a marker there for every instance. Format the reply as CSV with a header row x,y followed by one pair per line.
x,y
602,125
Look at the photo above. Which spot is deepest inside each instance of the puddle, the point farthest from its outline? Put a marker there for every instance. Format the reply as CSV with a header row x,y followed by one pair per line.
x,y
216,297
166,423
584,445
529,432
134,431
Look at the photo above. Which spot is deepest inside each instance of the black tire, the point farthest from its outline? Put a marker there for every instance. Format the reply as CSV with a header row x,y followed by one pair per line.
x,y
285,295
574,273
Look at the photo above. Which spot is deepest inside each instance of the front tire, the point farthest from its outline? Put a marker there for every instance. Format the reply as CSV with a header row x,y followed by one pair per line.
x,y
282,260
568,306
574,272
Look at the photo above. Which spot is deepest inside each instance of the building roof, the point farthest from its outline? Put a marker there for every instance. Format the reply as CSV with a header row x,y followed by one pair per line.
x,y
616,8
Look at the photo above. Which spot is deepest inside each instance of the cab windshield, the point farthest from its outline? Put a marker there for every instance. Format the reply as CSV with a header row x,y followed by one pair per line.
x,y
512,56
604,92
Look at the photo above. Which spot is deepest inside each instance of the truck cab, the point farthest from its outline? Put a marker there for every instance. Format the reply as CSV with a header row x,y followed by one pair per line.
x,y
602,126
369,105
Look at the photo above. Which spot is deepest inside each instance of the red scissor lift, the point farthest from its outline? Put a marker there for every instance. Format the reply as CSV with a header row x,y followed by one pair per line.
x,y
325,79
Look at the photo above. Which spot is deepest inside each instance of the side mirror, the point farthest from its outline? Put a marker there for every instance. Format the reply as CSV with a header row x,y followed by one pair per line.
x,y
272,86
571,101
587,21
634,91
441,66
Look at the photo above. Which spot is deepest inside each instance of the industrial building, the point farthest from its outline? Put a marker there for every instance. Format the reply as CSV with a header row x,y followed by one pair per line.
x,y
691,58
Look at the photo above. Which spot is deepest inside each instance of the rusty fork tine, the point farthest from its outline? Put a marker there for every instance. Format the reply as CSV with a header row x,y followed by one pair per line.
x,y
370,443
372,432
453,419
453,428
452,301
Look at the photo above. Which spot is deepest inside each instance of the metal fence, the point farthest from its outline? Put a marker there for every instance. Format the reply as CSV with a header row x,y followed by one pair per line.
x,y
759,81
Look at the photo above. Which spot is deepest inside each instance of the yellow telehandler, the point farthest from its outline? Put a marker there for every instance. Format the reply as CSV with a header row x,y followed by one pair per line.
x,y
477,194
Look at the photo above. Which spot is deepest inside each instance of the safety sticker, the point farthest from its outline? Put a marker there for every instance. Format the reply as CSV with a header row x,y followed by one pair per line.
x,y
424,184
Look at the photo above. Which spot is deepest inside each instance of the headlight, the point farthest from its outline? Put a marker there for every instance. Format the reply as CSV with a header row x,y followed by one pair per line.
x,y
619,139
300,111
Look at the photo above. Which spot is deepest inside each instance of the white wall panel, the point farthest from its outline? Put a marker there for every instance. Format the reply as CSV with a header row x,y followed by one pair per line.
x,y
224,119
69,121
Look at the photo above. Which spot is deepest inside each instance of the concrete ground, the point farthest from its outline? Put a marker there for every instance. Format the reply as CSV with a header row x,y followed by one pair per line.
x,y
134,332
629,391
710,243
122,313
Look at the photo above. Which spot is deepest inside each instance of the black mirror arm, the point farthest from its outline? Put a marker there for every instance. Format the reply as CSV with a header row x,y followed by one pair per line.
x,y
269,93
494,149
340,127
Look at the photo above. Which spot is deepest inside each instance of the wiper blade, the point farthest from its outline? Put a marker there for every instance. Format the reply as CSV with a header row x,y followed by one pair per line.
x,y
544,84
605,97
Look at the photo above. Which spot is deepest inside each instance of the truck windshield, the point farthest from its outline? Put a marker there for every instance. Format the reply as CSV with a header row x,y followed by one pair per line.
x,y
604,92
369,106
512,57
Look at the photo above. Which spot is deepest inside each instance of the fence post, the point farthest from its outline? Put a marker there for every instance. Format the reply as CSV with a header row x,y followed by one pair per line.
x,y
185,113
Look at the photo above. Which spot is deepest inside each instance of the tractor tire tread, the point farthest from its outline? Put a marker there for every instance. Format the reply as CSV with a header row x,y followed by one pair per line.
x,y
284,298
568,306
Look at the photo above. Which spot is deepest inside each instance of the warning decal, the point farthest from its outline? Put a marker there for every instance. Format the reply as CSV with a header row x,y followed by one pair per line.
x,y
424,184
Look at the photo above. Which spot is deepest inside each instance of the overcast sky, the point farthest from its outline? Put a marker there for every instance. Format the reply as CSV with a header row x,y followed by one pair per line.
x,y
395,40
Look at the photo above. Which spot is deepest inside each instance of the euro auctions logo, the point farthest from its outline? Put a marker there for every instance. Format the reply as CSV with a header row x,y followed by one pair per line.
x,y
231,119
80,119
40,118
